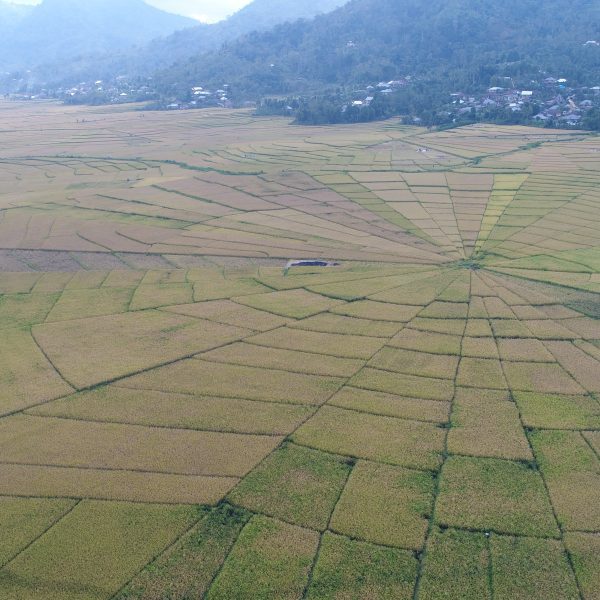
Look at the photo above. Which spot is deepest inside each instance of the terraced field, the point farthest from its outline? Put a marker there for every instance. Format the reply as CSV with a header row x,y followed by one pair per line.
x,y
182,417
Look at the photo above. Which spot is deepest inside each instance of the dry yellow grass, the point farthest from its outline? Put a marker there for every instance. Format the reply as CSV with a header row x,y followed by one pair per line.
x,y
234,381
26,376
103,484
114,404
67,443
347,346
378,438
146,339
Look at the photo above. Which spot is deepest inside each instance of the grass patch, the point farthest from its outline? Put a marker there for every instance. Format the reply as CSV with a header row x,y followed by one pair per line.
x,y
24,519
48,441
455,566
230,313
26,376
486,423
386,505
391,405
187,569
541,378
295,484
572,473
524,568
553,411
481,373
492,494
378,311
404,385
584,549
438,366
153,296
330,323
344,346
95,550
433,343
270,559
81,304
24,310
287,360
357,570
146,339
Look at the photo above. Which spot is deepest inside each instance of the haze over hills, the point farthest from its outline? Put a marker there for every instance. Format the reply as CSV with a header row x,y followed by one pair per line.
x,y
105,53
12,14
60,30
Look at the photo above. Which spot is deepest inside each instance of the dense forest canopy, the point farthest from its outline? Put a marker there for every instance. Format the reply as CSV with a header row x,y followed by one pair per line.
x,y
462,43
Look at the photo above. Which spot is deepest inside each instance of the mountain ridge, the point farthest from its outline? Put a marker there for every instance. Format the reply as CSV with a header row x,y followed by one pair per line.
x,y
60,30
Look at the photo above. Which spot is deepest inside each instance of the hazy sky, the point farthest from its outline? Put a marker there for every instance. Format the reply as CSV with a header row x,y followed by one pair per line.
x,y
203,10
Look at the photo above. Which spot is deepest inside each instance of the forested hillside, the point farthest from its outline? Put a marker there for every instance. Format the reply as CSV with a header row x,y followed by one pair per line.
x,y
458,44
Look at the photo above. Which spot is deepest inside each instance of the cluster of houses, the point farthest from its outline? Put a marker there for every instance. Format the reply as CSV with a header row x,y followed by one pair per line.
x,y
199,97
117,91
123,90
365,97
550,101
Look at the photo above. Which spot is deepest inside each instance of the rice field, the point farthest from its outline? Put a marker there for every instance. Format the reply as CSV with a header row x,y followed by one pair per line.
x,y
181,416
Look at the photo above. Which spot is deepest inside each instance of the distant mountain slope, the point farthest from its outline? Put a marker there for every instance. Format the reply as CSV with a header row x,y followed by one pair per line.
x,y
259,15
162,52
11,15
60,30
460,43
